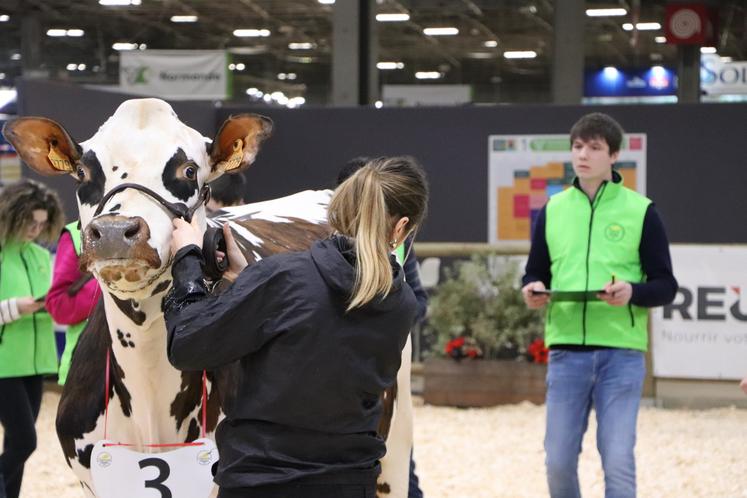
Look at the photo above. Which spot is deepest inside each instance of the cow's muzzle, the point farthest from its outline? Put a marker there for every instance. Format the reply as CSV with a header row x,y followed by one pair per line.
x,y
114,237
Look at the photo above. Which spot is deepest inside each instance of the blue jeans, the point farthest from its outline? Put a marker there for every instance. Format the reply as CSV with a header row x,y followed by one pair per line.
x,y
610,380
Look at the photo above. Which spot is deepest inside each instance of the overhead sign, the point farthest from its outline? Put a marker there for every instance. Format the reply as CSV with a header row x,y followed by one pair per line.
x,y
718,77
703,334
525,170
175,74
690,24
613,82
426,95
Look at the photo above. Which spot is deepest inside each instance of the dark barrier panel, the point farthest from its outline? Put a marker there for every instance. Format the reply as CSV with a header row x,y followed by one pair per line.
x,y
697,164
81,111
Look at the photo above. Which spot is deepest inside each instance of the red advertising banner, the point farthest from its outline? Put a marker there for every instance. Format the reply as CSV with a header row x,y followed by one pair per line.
x,y
691,24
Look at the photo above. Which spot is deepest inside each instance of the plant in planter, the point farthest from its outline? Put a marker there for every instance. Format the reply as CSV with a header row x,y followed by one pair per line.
x,y
479,308
478,312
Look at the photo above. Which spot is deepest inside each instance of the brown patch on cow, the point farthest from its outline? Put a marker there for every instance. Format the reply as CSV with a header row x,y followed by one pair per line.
x,y
388,397
383,488
296,235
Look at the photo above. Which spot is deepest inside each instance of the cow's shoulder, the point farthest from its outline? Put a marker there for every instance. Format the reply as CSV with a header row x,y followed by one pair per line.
x,y
82,401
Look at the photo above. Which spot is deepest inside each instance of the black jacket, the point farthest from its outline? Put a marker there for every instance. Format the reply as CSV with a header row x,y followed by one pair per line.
x,y
311,374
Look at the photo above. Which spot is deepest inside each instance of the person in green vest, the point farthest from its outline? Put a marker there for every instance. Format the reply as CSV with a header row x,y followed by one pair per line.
x,y
29,212
73,294
602,237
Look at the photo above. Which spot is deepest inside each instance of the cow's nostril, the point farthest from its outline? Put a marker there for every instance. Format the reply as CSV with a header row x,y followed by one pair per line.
x,y
94,234
132,231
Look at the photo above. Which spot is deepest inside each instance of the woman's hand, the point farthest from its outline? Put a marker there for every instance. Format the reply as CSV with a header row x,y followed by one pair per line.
x,y
185,234
28,305
236,260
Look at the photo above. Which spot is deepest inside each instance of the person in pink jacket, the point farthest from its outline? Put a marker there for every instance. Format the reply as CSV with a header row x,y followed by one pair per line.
x,y
73,294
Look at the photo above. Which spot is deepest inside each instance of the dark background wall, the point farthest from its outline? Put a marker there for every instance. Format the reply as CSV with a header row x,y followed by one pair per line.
x,y
696,163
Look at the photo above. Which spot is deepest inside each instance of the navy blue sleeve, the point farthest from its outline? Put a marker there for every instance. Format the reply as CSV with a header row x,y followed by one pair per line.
x,y
538,263
412,277
660,286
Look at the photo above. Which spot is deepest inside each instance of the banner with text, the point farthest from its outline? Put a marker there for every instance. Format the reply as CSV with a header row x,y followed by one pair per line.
x,y
175,74
703,334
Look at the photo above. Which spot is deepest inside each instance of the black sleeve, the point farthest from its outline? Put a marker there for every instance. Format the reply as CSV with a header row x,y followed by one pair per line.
x,y
205,331
412,277
660,286
538,263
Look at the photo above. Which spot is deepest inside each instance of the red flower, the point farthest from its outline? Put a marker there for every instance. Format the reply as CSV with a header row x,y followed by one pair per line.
x,y
538,351
454,344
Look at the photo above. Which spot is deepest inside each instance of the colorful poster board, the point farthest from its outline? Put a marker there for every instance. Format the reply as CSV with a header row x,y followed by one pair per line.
x,y
524,171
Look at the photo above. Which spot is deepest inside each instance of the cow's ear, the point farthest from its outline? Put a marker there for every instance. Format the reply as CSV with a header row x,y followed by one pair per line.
x,y
43,144
237,143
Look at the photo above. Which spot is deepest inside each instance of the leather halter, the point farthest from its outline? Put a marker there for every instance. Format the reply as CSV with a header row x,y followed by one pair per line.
x,y
178,209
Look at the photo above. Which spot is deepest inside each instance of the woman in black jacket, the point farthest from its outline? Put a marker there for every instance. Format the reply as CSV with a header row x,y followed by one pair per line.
x,y
319,334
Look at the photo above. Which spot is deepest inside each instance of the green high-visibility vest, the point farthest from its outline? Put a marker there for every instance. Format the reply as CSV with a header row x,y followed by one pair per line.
x,y
72,334
27,345
589,242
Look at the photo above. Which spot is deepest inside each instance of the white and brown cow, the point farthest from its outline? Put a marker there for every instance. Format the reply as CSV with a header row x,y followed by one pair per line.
x,y
126,245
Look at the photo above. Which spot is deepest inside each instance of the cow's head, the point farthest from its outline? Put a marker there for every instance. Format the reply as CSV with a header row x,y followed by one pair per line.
x,y
126,236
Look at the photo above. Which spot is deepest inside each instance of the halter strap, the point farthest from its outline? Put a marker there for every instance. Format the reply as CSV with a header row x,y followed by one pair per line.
x,y
178,209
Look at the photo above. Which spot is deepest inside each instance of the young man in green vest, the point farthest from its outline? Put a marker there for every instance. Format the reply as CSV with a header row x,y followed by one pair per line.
x,y
596,236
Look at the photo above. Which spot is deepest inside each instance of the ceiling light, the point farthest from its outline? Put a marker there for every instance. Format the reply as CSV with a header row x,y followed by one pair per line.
x,y
231,66
642,26
81,67
142,46
326,2
395,17
660,39
726,59
301,46
240,66
124,46
707,50
183,18
428,75
656,57
446,31
490,44
72,67
243,33
610,73
520,54
2,76
4,18
15,57
378,104
606,12
480,55
56,32
75,32
109,3
390,65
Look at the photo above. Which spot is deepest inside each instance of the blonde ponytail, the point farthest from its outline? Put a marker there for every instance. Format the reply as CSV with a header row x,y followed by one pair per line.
x,y
365,208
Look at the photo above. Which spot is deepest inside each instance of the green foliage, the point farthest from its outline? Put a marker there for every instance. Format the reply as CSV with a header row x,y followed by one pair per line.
x,y
481,299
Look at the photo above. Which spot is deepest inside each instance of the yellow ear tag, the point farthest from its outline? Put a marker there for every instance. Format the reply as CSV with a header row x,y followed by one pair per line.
x,y
234,161
59,161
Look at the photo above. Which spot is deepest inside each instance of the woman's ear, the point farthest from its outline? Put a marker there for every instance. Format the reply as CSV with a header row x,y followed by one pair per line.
x,y
400,232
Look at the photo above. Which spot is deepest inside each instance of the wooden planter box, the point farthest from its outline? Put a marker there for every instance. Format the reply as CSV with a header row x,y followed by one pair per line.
x,y
479,383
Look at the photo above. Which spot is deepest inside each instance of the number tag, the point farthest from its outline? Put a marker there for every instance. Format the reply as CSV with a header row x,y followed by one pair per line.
x,y
187,472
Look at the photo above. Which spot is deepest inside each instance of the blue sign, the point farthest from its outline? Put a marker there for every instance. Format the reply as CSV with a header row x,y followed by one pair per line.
x,y
613,82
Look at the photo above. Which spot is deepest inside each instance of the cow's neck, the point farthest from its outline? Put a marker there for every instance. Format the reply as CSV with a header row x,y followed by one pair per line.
x,y
138,333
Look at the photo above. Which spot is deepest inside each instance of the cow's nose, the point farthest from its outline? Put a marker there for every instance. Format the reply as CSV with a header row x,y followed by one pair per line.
x,y
116,231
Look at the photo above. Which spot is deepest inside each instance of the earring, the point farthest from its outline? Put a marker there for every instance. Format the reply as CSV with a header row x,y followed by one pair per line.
x,y
393,244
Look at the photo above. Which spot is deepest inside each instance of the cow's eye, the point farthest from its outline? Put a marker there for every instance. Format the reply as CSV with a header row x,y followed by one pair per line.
x,y
190,172
80,172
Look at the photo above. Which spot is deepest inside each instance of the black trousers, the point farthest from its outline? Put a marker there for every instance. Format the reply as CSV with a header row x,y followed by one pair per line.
x,y
21,400
327,486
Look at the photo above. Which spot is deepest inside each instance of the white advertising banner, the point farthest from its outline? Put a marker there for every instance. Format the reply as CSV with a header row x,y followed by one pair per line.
x,y
703,334
525,170
719,77
175,74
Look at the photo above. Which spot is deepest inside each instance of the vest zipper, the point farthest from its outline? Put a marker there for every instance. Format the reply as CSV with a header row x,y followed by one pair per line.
x,y
593,203
33,315
632,318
